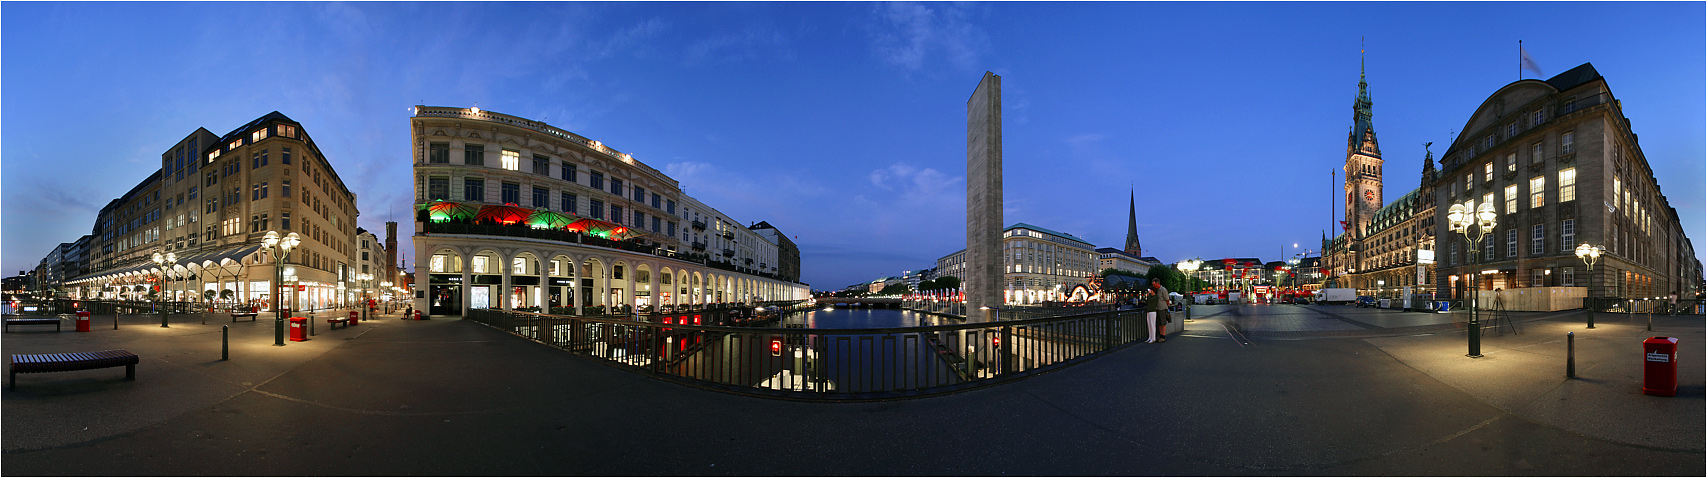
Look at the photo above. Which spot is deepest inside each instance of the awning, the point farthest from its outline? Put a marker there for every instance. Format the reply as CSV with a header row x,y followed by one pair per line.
x,y
202,261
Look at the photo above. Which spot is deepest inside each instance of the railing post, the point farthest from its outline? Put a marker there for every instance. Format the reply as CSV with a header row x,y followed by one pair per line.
x,y
1006,351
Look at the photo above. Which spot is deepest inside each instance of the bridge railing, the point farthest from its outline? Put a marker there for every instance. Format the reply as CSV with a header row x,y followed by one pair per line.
x,y
830,364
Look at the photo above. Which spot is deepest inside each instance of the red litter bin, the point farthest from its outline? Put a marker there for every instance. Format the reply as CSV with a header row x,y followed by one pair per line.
x,y
83,321
355,317
298,329
417,315
1659,366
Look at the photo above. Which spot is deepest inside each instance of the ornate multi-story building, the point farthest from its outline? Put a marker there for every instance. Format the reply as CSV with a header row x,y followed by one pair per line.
x,y
1039,265
515,213
1384,248
1561,165
211,203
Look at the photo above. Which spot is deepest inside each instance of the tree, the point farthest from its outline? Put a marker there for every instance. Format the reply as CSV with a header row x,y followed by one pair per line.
x,y
1171,279
948,282
897,288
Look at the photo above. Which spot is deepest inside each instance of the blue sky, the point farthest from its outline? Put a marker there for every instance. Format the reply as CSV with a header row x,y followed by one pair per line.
x,y
843,124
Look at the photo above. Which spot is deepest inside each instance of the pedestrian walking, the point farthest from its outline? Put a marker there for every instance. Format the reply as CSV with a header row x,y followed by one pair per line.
x,y
1157,312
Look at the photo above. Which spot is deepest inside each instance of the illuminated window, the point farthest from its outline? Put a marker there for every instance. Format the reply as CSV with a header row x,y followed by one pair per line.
x,y
1538,191
1487,198
1510,163
438,263
1617,188
1488,171
258,135
510,159
479,264
1568,185
1511,199
287,131
518,266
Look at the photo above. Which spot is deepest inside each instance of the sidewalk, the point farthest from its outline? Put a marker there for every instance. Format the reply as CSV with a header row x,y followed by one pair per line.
x,y
450,397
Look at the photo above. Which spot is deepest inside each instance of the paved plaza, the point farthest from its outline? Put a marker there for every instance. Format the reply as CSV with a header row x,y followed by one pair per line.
x,y
1306,391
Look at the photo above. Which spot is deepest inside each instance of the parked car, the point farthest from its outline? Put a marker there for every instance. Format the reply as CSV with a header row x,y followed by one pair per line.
x,y
1366,301
1301,300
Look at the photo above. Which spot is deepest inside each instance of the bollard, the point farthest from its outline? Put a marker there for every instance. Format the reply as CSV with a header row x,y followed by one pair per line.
x,y
1570,355
310,323
115,318
225,342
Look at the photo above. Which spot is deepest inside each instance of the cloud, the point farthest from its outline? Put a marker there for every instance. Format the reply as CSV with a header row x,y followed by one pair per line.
x,y
631,39
917,185
752,44
909,35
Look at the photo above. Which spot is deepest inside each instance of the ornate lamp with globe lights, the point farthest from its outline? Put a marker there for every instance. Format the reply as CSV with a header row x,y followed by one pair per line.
x,y
1474,227
169,259
1590,255
279,248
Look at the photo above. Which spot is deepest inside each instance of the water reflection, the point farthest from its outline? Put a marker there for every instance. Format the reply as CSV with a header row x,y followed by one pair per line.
x,y
864,318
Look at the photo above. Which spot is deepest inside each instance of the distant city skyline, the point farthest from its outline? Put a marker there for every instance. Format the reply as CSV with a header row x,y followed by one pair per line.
x,y
842,124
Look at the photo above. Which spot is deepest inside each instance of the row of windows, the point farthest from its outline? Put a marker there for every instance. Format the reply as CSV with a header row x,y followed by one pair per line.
x,y
475,155
1537,241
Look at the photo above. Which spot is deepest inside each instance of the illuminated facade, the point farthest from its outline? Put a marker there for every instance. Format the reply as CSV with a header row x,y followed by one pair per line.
x,y
518,214
1560,162
210,204
1384,248
1039,265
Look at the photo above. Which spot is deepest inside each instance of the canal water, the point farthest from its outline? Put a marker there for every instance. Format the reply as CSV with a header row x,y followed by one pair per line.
x,y
864,318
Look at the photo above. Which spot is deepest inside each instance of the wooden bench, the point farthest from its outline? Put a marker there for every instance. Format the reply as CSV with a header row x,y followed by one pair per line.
x,y
334,322
42,363
250,315
37,321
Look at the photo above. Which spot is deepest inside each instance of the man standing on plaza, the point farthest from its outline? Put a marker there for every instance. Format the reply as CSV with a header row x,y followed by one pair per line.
x,y
1157,305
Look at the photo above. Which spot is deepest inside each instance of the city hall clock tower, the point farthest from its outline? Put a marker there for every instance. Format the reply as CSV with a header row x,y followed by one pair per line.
x,y
1362,164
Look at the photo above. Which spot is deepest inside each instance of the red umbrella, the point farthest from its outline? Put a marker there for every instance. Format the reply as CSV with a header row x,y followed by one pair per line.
x,y
506,214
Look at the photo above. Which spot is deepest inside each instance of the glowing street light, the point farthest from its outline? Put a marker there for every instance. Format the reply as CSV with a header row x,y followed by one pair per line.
x,y
279,248
1590,255
165,287
1474,228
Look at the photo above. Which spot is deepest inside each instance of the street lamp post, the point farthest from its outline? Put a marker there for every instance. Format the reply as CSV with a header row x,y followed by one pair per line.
x,y
364,277
1590,255
279,248
165,287
1482,221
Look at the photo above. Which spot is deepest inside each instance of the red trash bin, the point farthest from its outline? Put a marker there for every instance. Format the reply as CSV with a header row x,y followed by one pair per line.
x,y
354,317
298,329
1659,366
417,315
83,321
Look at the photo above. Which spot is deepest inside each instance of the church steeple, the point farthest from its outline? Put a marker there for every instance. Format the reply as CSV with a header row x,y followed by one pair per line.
x,y
1132,246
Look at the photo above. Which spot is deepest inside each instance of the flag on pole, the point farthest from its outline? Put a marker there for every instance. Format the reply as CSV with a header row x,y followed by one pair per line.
x,y
1525,62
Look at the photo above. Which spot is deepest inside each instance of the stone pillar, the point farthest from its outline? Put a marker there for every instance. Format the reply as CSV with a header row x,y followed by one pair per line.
x,y
984,196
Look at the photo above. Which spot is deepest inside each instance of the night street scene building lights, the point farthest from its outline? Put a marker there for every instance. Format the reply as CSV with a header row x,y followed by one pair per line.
x,y
517,214
210,204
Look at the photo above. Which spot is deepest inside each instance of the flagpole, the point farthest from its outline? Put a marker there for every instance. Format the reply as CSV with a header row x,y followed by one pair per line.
x,y
1520,59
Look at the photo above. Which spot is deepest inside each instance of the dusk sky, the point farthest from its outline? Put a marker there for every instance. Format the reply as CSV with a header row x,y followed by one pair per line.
x,y
843,124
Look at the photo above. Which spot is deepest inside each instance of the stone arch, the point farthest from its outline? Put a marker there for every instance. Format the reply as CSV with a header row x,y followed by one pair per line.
x,y
596,269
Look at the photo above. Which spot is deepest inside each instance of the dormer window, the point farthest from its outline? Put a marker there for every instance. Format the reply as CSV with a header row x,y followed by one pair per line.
x,y
258,135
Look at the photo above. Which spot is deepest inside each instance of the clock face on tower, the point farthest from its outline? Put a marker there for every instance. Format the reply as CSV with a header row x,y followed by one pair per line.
x,y
1369,195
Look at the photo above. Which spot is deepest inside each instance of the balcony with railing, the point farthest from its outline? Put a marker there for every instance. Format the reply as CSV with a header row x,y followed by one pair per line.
x,y
698,246
698,224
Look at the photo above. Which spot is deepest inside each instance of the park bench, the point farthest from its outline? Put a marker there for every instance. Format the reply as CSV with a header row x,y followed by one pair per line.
x,y
334,322
42,363
238,313
30,321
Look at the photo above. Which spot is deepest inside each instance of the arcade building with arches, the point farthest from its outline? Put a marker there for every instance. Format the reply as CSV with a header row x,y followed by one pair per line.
x,y
516,214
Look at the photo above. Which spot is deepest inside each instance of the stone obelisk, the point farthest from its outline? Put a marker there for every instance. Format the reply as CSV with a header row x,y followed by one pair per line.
x,y
983,281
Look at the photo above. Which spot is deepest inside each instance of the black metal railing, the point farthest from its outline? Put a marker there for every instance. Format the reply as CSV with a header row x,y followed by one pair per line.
x,y
698,224
830,364
583,239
